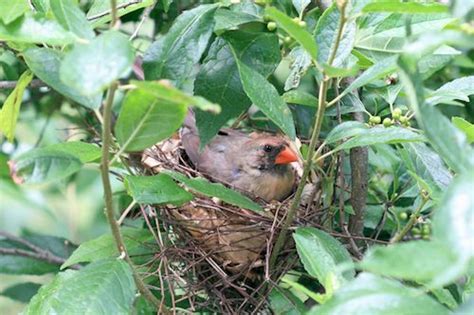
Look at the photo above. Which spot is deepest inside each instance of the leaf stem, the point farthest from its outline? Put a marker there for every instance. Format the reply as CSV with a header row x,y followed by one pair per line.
x,y
109,210
307,168
411,222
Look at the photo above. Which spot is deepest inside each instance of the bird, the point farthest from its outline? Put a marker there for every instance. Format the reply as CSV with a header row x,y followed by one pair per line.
x,y
257,164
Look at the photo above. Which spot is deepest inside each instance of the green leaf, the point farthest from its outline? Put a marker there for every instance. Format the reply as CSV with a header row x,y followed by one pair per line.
x,y
300,98
347,129
174,55
375,135
446,139
168,93
453,222
321,254
11,107
301,62
43,165
11,10
21,292
100,10
85,152
378,296
265,96
464,126
219,80
202,186
145,120
427,164
405,7
300,5
378,70
158,189
103,287
227,20
283,302
294,30
458,89
36,29
432,259
90,68
104,246
45,63
446,297
326,36
70,17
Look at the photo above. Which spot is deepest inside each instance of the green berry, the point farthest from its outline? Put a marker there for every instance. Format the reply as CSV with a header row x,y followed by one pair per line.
x,y
287,40
403,215
302,24
397,113
403,119
387,122
416,231
375,120
271,26
296,20
426,229
425,237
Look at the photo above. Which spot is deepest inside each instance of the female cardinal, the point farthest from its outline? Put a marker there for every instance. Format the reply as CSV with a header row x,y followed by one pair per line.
x,y
256,163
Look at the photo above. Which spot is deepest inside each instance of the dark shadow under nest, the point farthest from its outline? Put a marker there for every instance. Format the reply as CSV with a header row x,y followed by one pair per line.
x,y
217,255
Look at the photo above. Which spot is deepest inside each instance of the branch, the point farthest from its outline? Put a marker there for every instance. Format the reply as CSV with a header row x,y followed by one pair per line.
x,y
117,7
36,252
36,83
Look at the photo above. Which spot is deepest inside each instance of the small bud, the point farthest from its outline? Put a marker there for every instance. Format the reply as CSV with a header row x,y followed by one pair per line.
x,y
403,216
416,231
302,24
403,119
271,26
296,20
397,113
375,120
287,40
387,122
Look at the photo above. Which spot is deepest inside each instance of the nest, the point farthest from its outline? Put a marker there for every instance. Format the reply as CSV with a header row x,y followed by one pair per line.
x,y
215,253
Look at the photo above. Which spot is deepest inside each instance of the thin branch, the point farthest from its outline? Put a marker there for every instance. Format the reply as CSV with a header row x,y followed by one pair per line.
x,y
117,7
34,252
36,83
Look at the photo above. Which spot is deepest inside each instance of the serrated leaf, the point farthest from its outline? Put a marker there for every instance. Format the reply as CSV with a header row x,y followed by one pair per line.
x,y
174,55
11,107
326,36
458,89
45,64
202,186
103,287
43,165
321,254
265,96
11,10
68,14
378,296
158,189
104,246
293,29
90,68
36,29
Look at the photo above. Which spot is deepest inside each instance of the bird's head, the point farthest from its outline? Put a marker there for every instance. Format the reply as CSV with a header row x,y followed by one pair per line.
x,y
269,153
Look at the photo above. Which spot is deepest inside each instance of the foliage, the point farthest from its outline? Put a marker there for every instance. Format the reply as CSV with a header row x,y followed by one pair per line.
x,y
396,77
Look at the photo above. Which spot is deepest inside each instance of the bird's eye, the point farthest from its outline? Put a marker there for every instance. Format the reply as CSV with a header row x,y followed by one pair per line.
x,y
267,148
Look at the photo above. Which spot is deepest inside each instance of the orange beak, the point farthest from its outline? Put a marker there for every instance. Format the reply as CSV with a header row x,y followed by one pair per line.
x,y
286,156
